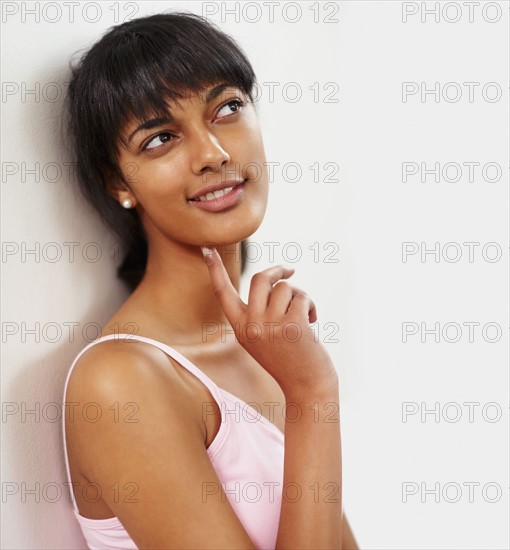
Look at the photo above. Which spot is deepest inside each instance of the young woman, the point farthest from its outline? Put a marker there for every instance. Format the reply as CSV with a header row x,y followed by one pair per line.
x,y
193,389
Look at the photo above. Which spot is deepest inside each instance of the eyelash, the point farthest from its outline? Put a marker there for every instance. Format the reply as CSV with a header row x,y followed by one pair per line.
x,y
239,102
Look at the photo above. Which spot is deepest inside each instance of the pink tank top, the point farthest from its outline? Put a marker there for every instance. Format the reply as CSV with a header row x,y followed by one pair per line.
x,y
247,455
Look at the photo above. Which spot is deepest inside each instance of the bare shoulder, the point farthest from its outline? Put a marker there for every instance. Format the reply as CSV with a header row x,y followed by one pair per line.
x,y
117,383
121,362
150,465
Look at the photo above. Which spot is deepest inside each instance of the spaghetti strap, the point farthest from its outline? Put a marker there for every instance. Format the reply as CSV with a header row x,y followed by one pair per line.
x,y
215,391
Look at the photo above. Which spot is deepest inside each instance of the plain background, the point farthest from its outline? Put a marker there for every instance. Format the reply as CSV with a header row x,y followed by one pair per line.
x,y
361,58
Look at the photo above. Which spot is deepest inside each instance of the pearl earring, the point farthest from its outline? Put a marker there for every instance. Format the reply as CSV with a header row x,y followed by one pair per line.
x,y
127,203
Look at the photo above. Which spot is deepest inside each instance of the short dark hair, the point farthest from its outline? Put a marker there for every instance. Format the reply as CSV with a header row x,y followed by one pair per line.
x,y
130,72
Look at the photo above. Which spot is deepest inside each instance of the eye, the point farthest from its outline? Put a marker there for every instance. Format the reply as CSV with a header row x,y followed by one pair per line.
x,y
237,103
148,144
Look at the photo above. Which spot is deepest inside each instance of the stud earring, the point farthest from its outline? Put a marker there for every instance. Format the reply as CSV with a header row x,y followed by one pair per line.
x,y
127,203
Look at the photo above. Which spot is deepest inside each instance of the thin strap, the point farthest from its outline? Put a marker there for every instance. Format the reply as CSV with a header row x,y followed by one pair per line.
x,y
210,385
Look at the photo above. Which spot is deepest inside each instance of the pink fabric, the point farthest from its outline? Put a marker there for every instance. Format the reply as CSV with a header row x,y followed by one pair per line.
x,y
247,454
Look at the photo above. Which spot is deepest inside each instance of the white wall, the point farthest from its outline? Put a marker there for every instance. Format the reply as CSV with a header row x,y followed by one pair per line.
x,y
362,219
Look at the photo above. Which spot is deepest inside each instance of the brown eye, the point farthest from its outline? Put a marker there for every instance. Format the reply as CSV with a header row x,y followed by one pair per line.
x,y
237,103
146,146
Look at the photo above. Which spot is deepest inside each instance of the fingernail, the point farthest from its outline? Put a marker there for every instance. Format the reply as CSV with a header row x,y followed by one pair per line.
x,y
207,251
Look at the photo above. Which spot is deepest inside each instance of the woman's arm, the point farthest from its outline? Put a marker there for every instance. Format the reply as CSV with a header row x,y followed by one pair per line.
x,y
150,470
348,540
311,510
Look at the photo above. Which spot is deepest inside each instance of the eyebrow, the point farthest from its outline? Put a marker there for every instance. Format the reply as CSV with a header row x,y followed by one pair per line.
x,y
213,93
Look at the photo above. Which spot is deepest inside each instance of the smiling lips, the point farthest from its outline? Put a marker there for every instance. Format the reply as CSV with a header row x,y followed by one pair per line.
x,y
218,200
214,194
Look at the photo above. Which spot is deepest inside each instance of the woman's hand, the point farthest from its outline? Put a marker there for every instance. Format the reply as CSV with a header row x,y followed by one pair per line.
x,y
274,327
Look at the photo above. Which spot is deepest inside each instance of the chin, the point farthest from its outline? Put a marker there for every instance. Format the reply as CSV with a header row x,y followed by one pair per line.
x,y
230,237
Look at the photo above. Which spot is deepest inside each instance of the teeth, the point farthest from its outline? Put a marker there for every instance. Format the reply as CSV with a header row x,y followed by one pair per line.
x,y
215,194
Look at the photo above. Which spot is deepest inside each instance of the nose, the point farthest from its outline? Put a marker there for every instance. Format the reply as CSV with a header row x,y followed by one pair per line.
x,y
207,154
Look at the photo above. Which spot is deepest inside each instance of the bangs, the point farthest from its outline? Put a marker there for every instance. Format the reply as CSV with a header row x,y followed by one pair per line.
x,y
133,72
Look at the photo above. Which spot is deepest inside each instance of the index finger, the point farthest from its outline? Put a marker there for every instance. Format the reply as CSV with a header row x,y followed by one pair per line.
x,y
223,288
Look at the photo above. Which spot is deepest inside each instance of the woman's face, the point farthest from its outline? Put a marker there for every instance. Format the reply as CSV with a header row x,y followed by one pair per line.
x,y
212,139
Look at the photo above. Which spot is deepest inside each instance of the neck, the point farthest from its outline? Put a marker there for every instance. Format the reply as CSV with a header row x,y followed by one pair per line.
x,y
176,292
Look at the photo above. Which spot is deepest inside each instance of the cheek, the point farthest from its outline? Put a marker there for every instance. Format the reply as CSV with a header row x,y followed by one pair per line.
x,y
160,180
247,147
255,140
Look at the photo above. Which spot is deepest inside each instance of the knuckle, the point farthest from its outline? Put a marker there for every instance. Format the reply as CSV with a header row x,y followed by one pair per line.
x,y
253,330
282,285
218,289
258,277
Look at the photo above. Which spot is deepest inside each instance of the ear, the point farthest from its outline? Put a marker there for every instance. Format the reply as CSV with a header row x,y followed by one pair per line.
x,y
118,189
